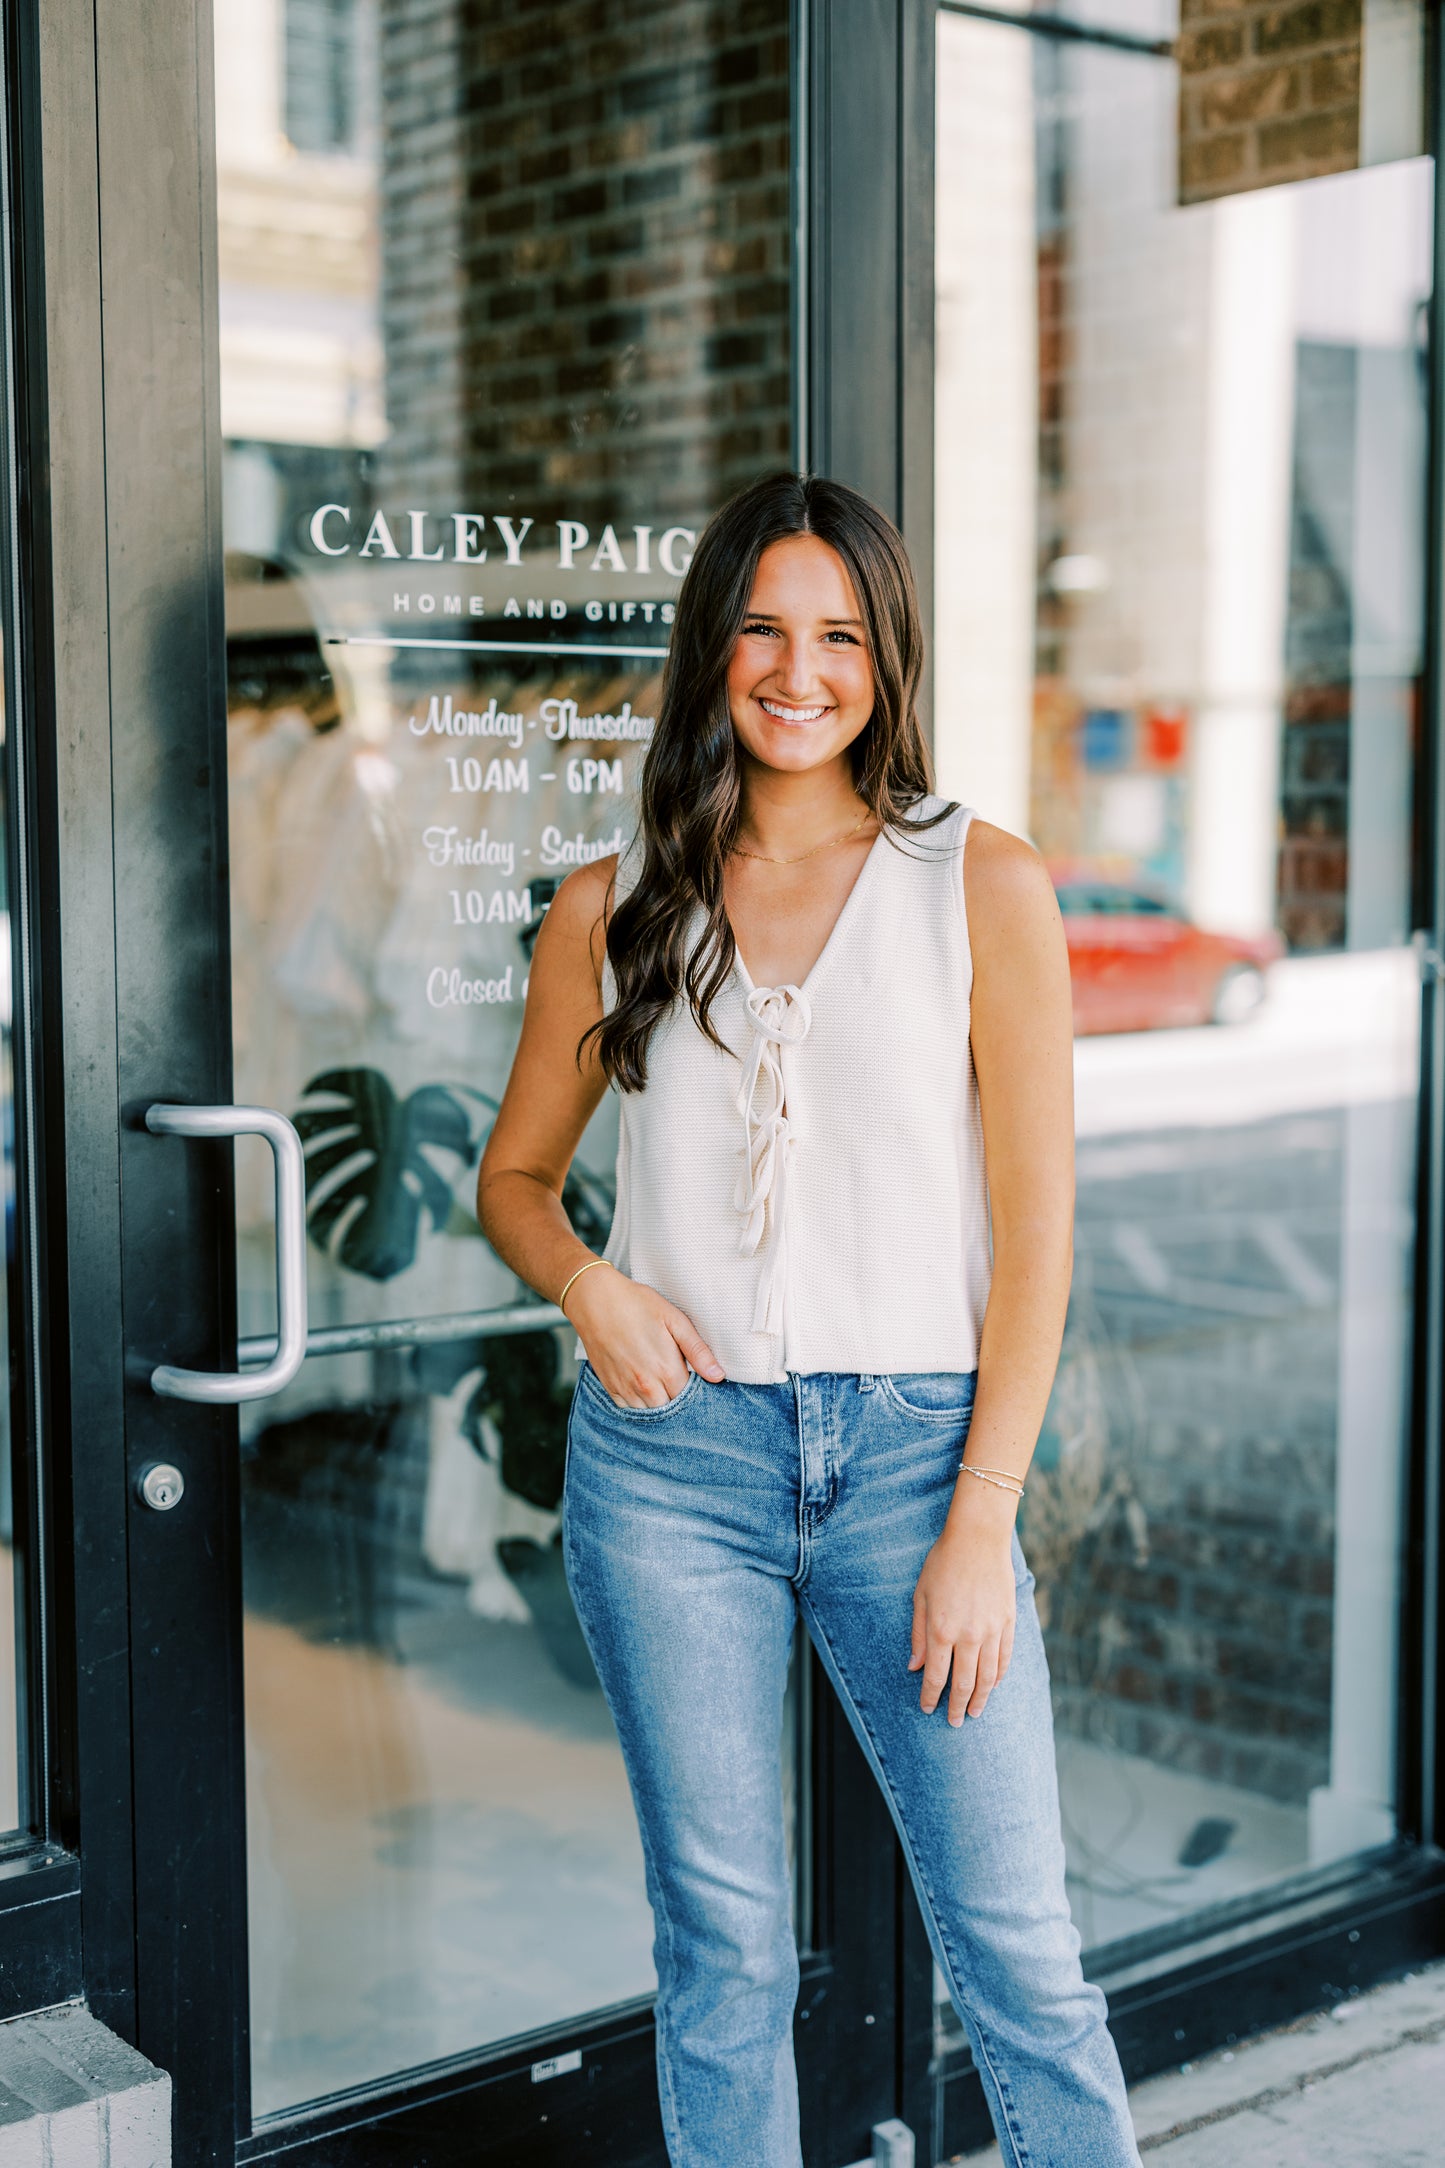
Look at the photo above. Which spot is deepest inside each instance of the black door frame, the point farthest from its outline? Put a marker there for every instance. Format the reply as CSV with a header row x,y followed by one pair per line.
x,y
125,546
113,129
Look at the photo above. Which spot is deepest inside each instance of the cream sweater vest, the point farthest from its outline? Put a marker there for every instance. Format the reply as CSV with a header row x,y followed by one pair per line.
x,y
814,1198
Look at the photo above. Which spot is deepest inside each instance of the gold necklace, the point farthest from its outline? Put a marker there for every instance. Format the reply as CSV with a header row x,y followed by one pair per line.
x,y
767,859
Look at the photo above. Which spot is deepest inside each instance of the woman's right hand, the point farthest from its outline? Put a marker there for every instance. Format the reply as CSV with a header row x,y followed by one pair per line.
x,y
640,1346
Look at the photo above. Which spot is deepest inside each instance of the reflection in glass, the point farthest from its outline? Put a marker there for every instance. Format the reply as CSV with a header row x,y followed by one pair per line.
x,y
1179,551
504,315
1149,21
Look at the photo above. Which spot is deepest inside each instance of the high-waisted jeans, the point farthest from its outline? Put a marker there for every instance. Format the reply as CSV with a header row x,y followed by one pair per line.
x,y
694,1535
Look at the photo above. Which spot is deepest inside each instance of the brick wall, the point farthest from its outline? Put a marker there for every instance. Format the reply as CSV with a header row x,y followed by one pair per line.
x,y
1188,1589
1314,851
1208,1650
586,252
1267,93
423,202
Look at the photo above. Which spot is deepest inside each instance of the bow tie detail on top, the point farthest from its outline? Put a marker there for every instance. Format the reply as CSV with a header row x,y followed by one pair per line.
x,y
780,1016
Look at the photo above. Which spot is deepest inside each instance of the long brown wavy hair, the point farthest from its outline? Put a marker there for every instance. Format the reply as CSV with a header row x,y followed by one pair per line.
x,y
691,799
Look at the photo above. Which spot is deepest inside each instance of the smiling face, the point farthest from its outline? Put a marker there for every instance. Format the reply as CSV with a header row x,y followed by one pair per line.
x,y
800,683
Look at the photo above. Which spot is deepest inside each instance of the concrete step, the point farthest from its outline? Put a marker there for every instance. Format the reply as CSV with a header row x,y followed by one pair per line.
x,y
74,2096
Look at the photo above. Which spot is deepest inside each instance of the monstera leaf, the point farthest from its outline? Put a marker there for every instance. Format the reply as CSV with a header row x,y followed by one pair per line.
x,y
527,1394
371,1164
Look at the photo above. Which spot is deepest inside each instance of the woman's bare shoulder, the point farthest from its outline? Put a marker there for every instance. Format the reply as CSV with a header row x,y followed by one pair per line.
x,y
1007,889
585,896
577,915
999,866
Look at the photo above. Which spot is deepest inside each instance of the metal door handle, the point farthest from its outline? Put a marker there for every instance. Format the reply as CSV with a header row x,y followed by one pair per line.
x,y
224,1387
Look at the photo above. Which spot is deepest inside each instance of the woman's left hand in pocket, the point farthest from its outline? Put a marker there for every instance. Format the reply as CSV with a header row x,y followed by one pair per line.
x,y
964,1608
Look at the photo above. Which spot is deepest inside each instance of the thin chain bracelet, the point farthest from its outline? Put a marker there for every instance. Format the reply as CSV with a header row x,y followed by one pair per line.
x,y
993,1481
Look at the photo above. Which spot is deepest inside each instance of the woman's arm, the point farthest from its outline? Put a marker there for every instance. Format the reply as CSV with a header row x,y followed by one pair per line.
x,y
1022,1035
639,1345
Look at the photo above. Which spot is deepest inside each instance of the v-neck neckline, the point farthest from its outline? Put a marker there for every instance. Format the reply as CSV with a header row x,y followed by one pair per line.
x,y
740,962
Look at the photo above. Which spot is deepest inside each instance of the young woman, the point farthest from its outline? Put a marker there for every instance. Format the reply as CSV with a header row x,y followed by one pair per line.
x,y
821,1342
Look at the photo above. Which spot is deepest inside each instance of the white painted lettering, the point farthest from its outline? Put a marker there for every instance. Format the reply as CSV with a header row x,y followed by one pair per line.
x,y
503,907
512,535
504,775
468,527
560,719
442,720
378,537
571,536
586,776
452,990
446,846
667,555
318,530
560,850
418,540
608,552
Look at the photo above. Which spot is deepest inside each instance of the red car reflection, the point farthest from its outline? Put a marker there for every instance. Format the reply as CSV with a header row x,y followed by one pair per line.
x,y
1138,964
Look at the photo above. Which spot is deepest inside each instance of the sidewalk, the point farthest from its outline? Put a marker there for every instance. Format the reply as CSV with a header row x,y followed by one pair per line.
x,y
1362,2086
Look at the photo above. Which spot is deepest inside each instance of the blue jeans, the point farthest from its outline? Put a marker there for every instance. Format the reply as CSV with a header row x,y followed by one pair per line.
x,y
694,1536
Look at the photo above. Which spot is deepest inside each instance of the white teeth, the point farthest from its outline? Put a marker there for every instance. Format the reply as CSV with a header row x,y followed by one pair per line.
x,y
791,715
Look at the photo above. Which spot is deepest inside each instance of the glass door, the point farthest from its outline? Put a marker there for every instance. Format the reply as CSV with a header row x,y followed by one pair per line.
x,y
501,320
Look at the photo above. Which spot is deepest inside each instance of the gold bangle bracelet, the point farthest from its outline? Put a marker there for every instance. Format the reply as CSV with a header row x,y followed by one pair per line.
x,y
562,1298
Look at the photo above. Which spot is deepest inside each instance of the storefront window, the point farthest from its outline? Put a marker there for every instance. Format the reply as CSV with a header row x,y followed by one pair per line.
x,y
504,315
1180,461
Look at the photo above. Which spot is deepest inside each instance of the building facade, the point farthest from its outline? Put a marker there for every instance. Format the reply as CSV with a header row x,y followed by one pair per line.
x,y
371,367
